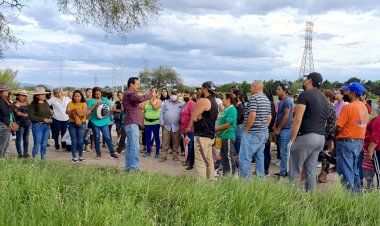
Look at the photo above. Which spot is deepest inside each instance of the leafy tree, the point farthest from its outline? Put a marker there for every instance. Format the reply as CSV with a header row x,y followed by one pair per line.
x,y
353,79
8,76
114,17
161,77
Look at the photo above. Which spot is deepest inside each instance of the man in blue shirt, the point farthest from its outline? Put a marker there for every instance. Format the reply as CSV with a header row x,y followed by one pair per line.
x,y
170,120
284,125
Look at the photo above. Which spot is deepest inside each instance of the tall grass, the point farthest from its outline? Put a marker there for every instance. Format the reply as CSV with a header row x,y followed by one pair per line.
x,y
50,193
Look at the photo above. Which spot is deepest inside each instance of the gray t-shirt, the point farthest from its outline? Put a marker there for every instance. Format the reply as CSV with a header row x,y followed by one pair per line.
x,y
260,104
287,103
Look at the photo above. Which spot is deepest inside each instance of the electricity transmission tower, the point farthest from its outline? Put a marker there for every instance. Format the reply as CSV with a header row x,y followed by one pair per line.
x,y
307,64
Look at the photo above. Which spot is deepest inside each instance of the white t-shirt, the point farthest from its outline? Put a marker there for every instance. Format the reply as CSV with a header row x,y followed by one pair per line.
x,y
59,108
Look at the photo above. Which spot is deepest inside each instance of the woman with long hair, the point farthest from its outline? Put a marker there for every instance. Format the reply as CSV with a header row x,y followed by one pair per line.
x,y
41,116
22,119
6,119
164,95
77,111
100,124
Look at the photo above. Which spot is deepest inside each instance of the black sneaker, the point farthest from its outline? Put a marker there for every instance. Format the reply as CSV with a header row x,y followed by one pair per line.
x,y
114,156
281,174
26,156
189,168
82,160
74,160
57,147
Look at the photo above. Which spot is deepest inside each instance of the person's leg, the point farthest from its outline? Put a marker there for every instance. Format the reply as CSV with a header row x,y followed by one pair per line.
x,y
44,140
376,164
200,159
176,137
96,131
37,137
231,156
285,136
190,149
122,141
4,139
360,166
19,136
238,132
156,134
165,144
64,125
26,140
347,165
81,131
315,146
148,137
57,128
246,154
298,155
206,144
224,155
267,157
358,150
74,139
132,148
107,137
258,149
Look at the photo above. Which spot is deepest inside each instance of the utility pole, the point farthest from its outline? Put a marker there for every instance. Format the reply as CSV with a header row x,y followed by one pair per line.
x,y
307,63
61,76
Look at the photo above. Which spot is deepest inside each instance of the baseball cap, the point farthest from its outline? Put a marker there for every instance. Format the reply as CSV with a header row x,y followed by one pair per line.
x,y
286,87
210,86
355,87
315,77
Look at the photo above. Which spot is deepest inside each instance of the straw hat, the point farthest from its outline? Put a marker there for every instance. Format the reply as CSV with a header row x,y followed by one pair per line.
x,y
22,93
40,90
3,87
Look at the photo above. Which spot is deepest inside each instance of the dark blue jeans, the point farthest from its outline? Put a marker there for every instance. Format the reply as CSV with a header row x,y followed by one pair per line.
x,y
41,133
22,134
190,150
347,157
60,127
77,134
106,136
149,129
118,125
239,131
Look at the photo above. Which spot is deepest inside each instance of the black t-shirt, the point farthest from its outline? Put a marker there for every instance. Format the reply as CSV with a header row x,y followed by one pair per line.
x,y
5,112
241,111
205,127
316,112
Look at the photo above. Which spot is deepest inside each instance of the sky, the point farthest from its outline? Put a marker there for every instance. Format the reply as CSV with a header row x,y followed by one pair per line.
x,y
220,40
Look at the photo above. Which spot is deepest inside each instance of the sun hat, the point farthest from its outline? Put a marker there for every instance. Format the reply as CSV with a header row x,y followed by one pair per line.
x,y
3,87
40,90
22,92
102,111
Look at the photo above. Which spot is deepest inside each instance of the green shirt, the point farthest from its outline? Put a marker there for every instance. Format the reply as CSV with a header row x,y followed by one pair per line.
x,y
98,122
229,115
151,116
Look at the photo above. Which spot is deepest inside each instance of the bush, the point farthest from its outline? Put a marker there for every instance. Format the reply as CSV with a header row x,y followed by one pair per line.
x,y
50,193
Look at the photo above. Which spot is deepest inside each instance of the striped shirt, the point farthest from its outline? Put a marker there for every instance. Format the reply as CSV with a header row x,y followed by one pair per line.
x,y
260,104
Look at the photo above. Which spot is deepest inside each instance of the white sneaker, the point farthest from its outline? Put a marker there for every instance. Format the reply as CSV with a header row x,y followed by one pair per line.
x,y
319,165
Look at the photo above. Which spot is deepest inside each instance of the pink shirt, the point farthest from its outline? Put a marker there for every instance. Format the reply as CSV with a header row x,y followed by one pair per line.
x,y
186,115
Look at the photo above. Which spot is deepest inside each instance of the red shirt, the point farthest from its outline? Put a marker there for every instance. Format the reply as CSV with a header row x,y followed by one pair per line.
x,y
186,116
372,133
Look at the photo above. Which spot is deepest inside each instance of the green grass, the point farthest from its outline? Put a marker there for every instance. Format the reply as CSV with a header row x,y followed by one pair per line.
x,y
51,193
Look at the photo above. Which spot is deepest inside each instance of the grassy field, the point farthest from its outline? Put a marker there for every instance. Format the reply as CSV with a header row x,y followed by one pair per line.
x,y
51,193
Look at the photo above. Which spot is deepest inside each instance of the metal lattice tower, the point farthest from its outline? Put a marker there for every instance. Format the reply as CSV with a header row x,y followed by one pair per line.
x,y
307,64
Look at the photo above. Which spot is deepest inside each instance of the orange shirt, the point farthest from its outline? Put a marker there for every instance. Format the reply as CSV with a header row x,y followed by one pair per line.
x,y
72,106
353,119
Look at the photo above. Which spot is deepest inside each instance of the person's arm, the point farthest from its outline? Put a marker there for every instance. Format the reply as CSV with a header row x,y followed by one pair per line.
x,y
342,120
70,111
82,112
250,121
201,106
162,120
134,97
18,113
300,111
269,119
375,138
156,105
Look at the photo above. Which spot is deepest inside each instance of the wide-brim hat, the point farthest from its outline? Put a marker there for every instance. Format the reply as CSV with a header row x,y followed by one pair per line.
x,y
102,111
22,93
3,87
39,91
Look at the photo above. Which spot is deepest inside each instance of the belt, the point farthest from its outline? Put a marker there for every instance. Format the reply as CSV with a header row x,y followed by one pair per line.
x,y
350,139
152,120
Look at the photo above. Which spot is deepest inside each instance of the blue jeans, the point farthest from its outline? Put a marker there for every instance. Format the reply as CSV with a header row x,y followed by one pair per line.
x,y
4,139
347,156
77,134
22,134
252,145
190,154
360,166
118,125
149,129
132,147
41,132
106,137
285,136
60,127
238,132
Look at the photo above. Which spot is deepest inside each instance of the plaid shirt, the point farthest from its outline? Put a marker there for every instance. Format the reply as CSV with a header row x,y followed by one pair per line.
x,y
331,122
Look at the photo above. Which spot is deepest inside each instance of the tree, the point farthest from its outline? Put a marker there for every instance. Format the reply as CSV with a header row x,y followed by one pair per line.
x,y
114,17
353,79
161,77
8,76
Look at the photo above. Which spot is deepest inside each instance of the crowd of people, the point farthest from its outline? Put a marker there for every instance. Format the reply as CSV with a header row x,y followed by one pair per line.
x,y
209,131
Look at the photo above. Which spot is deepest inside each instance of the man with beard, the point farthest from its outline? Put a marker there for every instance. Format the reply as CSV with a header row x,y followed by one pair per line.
x,y
203,118
308,131
351,127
